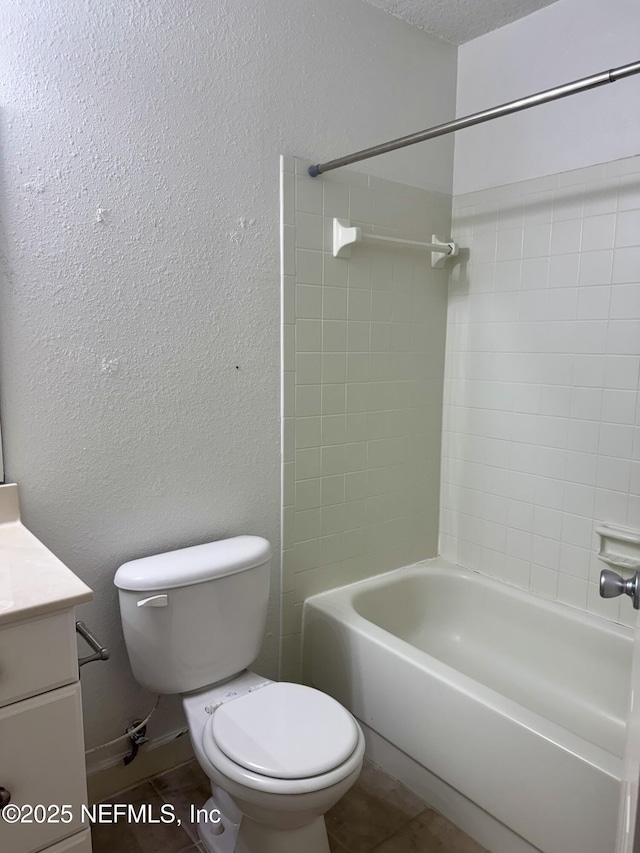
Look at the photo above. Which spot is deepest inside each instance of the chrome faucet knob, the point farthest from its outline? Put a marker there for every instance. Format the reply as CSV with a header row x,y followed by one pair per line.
x,y
612,584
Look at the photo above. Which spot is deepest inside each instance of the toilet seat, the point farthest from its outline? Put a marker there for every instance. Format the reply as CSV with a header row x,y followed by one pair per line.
x,y
283,738
285,731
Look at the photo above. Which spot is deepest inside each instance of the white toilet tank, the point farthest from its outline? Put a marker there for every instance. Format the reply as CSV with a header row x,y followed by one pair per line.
x,y
196,616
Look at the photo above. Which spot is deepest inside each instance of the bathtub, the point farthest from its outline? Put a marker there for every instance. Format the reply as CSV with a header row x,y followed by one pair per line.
x,y
515,704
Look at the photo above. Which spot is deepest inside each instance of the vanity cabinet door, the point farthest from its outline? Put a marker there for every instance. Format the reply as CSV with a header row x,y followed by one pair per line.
x,y
43,763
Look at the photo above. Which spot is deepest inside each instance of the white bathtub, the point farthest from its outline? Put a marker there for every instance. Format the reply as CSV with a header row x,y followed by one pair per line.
x,y
517,703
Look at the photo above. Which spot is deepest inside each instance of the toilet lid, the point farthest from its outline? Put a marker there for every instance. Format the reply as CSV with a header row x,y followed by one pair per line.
x,y
285,731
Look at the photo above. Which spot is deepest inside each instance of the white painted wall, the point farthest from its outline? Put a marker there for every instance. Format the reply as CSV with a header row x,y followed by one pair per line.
x,y
139,356
563,42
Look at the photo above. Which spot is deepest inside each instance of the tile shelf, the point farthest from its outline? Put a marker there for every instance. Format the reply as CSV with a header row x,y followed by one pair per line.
x,y
619,546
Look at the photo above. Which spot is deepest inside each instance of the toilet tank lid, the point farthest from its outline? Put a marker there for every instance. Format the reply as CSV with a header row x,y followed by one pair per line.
x,y
193,565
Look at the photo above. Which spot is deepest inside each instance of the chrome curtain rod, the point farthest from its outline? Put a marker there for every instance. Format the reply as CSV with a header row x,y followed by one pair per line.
x,y
486,115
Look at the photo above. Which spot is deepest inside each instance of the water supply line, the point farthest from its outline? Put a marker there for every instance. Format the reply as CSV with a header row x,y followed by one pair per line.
x,y
129,734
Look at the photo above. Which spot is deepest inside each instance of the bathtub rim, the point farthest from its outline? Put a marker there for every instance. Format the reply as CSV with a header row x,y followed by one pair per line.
x,y
441,566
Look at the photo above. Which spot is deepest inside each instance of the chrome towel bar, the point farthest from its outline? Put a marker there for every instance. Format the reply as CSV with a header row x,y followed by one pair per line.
x,y
100,652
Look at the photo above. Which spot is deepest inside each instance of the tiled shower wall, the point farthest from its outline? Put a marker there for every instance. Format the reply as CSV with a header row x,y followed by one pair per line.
x,y
541,437
363,356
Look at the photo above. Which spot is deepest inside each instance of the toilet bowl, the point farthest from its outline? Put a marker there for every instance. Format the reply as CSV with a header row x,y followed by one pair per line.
x,y
278,755
283,752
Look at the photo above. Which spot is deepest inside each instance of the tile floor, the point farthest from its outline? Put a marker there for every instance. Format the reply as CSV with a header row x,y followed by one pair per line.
x,y
378,815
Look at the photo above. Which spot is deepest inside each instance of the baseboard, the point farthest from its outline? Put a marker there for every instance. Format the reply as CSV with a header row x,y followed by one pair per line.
x,y
153,759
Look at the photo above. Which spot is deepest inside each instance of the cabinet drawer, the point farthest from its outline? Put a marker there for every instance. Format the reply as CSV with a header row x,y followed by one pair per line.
x,y
37,655
43,763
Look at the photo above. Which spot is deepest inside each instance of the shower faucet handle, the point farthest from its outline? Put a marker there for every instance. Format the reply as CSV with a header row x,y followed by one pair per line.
x,y
612,584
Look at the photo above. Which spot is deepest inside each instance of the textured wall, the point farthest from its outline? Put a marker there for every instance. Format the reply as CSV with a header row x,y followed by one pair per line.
x,y
139,357
566,41
363,370
541,432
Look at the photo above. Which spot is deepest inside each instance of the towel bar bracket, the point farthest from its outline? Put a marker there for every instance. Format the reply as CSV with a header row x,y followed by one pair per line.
x,y
100,652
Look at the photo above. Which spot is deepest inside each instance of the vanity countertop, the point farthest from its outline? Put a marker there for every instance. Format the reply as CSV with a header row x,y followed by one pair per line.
x,y
33,581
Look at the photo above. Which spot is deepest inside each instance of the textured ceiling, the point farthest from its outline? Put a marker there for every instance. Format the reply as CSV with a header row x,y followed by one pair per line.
x,y
458,21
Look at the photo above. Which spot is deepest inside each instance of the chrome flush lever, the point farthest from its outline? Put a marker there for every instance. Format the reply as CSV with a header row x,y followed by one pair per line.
x,y
612,584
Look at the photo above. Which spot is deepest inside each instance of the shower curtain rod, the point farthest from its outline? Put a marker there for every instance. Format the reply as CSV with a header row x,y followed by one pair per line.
x,y
486,115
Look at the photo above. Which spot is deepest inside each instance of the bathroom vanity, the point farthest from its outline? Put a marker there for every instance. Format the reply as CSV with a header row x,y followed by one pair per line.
x,y
41,737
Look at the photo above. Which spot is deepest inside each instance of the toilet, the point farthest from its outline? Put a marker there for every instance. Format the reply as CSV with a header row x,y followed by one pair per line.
x,y
278,755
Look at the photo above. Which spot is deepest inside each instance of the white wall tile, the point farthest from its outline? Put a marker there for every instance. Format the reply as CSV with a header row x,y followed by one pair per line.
x,y
307,400
566,237
598,232
308,194
563,270
535,274
622,337
334,334
616,440
541,399
309,231
618,407
622,372
613,474
308,267
334,271
509,245
627,232
334,367
625,301
307,463
543,357
359,305
308,335
336,200
629,193
562,303
600,197
308,368
595,268
593,302
363,398
307,494
572,591
307,431
308,301
626,265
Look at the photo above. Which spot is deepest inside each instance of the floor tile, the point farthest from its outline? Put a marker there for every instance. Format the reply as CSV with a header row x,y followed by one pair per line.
x,y
183,787
335,846
376,807
429,832
378,815
127,837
